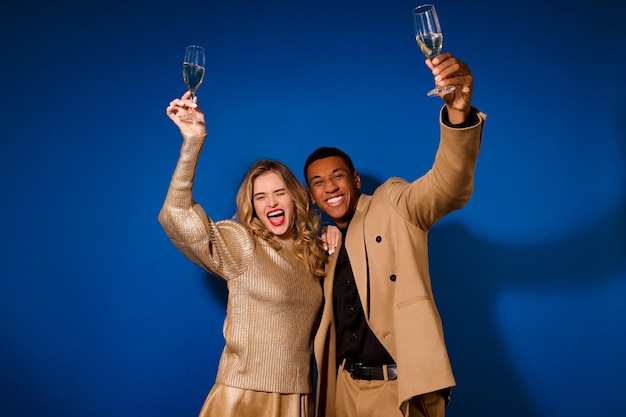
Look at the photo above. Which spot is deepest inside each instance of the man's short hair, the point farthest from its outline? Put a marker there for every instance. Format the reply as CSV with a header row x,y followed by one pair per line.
x,y
326,152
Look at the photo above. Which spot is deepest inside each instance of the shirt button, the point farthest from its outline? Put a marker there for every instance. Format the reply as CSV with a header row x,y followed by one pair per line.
x,y
378,239
354,336
392,278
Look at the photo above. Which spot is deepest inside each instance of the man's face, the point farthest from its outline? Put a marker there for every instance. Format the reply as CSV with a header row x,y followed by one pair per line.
x,y
333,189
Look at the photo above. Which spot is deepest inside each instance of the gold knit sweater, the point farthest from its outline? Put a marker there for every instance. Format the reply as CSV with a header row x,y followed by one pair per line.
x,y
273,300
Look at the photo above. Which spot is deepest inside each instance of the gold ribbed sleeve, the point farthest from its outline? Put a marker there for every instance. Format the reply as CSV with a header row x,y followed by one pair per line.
x,y
273,301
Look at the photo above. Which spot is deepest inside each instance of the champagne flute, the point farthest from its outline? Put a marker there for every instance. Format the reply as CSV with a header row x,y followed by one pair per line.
x,y
193,73
429,38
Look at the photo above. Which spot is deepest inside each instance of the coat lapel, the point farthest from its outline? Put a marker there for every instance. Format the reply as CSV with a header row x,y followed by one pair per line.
x,y
355,246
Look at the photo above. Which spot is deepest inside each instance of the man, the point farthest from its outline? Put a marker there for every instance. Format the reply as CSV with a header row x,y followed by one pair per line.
x,y
380,349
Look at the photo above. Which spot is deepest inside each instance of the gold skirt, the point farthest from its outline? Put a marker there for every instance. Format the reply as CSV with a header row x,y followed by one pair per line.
x,y
225,401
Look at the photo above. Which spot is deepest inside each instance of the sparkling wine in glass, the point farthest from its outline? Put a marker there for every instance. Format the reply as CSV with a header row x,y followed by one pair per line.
x,y
193,72
429,38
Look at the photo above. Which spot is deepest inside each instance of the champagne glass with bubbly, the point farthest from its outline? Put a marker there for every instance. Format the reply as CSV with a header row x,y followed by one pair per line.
x,y
193,72
429,38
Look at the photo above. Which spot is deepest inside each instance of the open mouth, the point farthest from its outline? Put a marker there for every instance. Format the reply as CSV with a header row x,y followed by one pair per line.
x,y
276,217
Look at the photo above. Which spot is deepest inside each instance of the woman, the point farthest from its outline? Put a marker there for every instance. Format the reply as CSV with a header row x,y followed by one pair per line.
x,y
272,261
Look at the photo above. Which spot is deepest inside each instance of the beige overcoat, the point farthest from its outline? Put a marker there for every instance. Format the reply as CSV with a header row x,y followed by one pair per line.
x,y
388,250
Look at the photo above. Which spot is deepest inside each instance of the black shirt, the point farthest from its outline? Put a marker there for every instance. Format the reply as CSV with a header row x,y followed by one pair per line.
x,y
355,339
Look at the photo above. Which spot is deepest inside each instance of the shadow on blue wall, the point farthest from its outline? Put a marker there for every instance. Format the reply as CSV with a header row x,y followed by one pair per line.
x,y
468,272
485,377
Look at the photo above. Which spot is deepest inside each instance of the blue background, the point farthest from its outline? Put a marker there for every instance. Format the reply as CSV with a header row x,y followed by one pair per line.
x,y
100,315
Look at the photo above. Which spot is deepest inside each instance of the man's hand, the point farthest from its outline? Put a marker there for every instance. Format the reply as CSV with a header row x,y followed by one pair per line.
x,y
448,70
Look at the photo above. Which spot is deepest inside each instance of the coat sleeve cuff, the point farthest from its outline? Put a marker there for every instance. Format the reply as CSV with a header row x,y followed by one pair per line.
x,y
472,119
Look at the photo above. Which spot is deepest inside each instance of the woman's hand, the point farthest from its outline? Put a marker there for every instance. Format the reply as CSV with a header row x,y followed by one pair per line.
x,y
187,115
330,238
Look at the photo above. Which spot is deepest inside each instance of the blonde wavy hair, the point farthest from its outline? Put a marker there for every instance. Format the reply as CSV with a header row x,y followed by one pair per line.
x,y
306,225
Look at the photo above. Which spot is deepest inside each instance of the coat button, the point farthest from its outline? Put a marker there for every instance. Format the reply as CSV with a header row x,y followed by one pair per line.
x,y
393,278
378,239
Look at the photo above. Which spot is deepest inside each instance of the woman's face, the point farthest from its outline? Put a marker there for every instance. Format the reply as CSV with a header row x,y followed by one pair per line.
x,y
273,204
